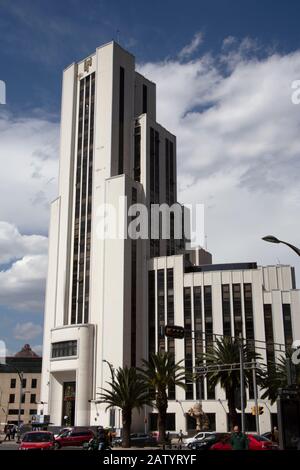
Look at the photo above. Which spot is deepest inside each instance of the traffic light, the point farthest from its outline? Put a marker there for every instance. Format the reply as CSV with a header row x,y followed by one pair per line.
x,y
174,331
257,410
260,410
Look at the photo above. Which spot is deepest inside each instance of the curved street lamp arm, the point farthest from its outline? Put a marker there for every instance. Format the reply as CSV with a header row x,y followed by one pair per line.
x,y
294,248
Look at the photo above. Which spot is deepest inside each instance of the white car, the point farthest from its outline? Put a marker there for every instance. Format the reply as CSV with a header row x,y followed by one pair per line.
x,y
198,437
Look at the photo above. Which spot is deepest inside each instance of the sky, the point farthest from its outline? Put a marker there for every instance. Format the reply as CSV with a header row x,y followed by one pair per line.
x,y
224,72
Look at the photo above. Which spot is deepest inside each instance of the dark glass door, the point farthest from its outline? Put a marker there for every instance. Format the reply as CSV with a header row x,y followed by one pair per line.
x,y
68,411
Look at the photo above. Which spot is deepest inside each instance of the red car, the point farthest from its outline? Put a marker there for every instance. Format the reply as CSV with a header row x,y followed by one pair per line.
x,y
259,442
37,440
73,437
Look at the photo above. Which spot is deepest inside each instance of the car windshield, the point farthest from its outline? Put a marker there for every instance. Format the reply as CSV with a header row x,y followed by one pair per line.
x,y
210,438
64,434
37,437
260,438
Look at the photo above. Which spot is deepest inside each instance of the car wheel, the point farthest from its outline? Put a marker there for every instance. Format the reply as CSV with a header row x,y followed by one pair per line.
x,y
57,446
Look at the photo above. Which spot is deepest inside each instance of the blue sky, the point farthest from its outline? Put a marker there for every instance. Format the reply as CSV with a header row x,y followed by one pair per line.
x,y
39,38
225,51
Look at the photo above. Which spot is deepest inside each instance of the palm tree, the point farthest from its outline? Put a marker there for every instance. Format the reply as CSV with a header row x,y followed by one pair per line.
x,y
160,374
275,377
226,350
127,391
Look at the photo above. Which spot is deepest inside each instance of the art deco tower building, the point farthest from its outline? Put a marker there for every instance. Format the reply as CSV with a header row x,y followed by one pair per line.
x,y
110,297
111,147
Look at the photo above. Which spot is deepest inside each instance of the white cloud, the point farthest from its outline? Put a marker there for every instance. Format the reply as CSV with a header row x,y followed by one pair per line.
x,y
27,331
22,280
22,286
190,48
238,145
29,167
14,246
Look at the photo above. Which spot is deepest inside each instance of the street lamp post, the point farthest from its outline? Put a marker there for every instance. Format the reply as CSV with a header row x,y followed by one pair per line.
x,y
272,239
242,382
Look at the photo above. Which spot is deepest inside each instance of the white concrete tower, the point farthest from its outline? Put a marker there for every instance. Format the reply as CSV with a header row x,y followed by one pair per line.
x,y
97,292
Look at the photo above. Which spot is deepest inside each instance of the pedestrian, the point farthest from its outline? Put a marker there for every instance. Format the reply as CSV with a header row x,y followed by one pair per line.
x,y
239,440
180,439
7,432
275,435
13,432
102,438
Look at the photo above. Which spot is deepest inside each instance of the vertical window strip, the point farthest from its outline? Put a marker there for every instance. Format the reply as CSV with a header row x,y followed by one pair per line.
x,y
151,312
167,166
208,319
170,321
83,202
248,307
287,325
226,310
269,335
152,189
82,241
76,253
188,346
237,310
121,119
133,288
137,153
198,327
161,309
249,328
156,186
89,176
145,98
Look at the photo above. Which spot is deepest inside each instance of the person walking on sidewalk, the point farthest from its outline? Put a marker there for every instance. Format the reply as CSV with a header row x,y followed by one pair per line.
x,y
7,432
239,440
180,439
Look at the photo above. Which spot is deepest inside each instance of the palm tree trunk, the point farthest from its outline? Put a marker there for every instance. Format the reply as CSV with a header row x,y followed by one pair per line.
x,y
162,416
162,406
126,419
232,408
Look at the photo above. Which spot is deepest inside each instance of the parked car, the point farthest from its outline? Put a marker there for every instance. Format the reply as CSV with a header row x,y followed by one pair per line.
x,y
208,441
198,437
73,437
138,440
62,431
268,435
24,428
37,440
257,442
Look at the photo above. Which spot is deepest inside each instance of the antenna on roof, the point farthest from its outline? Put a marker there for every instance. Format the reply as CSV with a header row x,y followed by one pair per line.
x,y
118,36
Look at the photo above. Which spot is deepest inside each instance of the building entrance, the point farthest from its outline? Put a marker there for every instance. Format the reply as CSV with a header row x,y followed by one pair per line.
x,y
68,411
